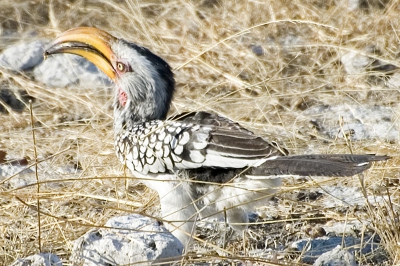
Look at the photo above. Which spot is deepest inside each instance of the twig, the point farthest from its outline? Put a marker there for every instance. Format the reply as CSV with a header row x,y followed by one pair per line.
x,y
36,175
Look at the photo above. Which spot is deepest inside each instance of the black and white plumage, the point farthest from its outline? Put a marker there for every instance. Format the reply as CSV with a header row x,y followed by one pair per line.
x,y
201,164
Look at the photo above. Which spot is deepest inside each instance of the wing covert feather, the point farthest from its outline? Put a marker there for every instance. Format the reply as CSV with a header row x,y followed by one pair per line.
x,y
224,143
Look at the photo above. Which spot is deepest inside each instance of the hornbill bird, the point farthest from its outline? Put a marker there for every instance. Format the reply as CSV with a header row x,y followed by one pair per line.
x,y
201,164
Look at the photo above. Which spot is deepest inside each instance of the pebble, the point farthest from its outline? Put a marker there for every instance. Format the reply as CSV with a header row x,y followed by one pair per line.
x,y
70,70
41,259
130,240
360,122
23,56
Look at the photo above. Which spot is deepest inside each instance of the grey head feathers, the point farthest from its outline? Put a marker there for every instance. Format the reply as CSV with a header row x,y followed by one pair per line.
x,y
149,85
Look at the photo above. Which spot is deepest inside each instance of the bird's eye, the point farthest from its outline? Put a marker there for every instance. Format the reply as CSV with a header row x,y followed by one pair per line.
x,y
121,67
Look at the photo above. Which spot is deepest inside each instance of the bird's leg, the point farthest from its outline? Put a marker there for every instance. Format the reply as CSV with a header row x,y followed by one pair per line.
x,y
178,210
237,218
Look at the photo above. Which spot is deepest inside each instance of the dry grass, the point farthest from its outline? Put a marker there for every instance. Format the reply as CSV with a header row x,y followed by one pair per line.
x,y
210,44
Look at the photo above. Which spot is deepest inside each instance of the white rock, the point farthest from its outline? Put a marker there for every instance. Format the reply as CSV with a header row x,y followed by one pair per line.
x,y
23,56
343,228
347,196
289,40
355,63
7,170
314,248
359,122
336,257
394,81
133,239
66,70
16,175
353,4
42,259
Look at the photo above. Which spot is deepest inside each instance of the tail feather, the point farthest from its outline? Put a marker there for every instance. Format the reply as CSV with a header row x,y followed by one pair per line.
x,y
318,165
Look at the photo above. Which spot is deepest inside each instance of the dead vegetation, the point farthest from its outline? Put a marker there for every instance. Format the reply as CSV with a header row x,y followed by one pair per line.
x,y
258,62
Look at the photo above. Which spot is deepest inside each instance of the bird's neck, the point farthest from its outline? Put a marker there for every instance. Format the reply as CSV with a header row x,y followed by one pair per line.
x,y
138,112
124,119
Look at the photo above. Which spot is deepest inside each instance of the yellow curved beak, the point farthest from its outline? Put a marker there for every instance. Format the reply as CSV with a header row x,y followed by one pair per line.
x,y
90,43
